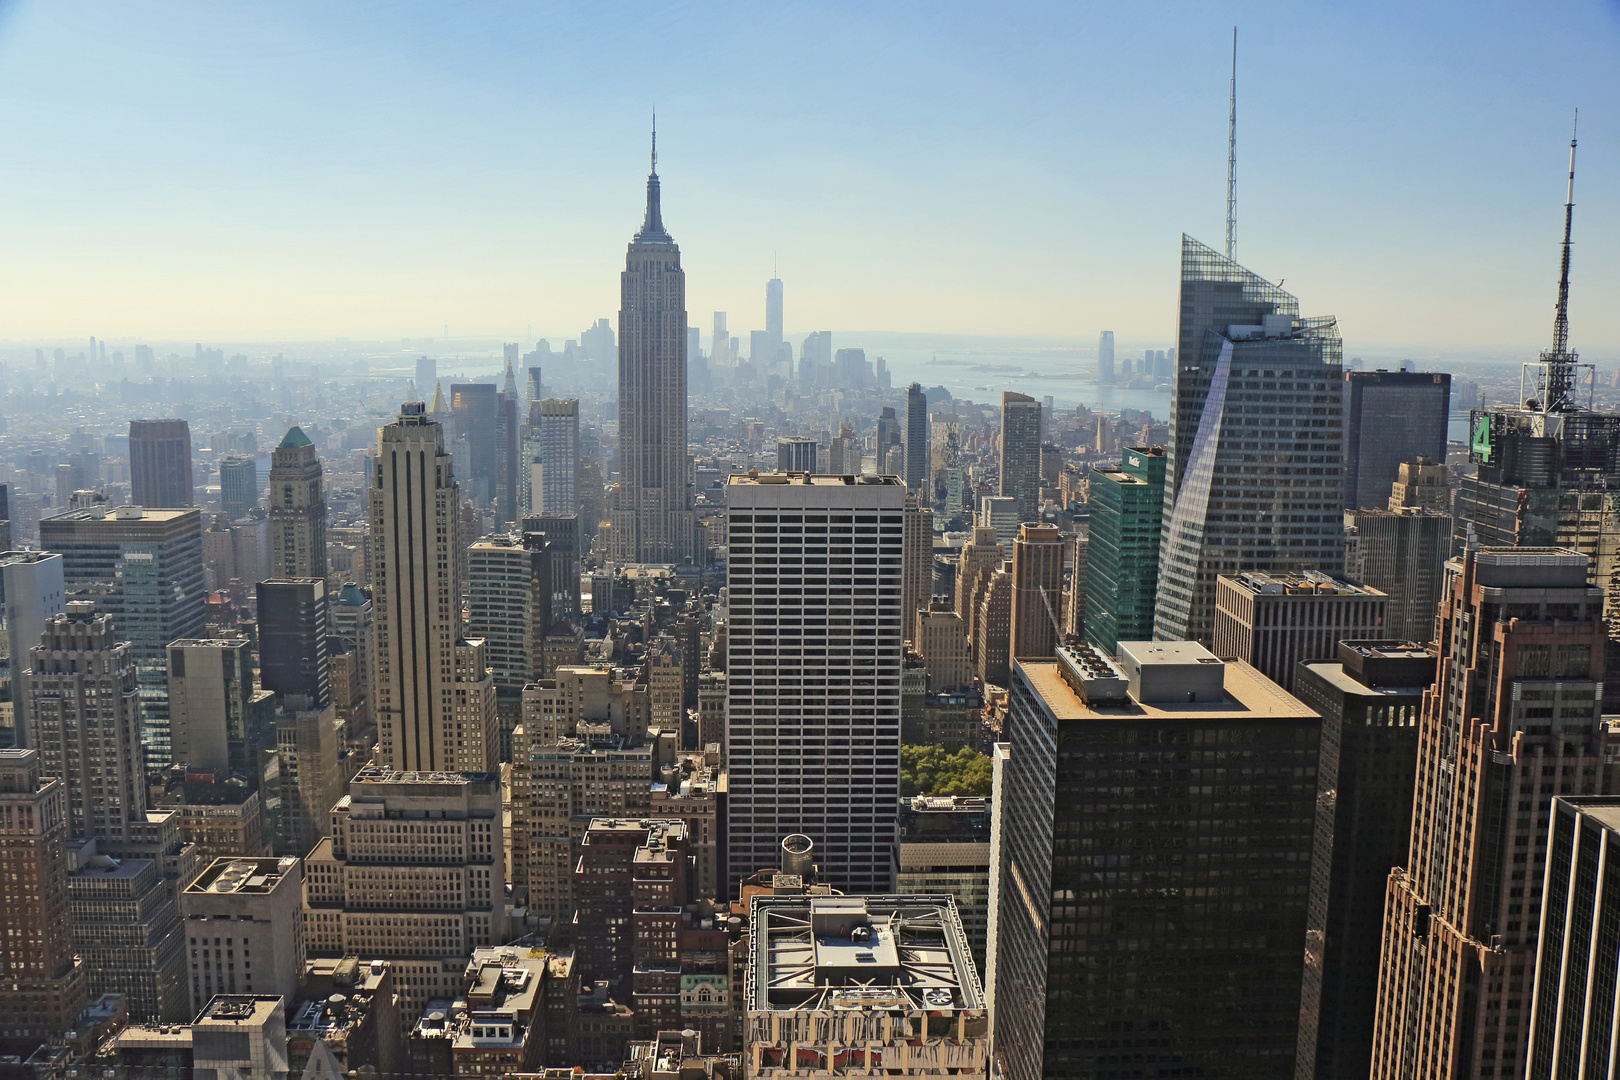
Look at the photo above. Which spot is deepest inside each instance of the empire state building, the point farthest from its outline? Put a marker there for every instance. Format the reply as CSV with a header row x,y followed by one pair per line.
x,y
652,511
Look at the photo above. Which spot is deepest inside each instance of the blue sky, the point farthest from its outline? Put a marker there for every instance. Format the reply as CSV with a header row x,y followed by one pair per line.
x,y
235,172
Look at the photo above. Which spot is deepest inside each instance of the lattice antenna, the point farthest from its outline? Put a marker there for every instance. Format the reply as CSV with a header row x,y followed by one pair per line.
x,y
1231,157
1559,361
655,141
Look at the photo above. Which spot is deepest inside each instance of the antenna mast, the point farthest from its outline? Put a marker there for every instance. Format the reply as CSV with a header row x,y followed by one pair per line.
x,y
1559,360
1231,157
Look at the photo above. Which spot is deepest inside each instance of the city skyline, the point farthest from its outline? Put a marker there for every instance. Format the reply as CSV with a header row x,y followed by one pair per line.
x,y
381,213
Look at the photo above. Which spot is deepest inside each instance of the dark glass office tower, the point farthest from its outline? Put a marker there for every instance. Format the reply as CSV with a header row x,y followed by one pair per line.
x,y
1393,416
475,407
916,437
1254,480
1370,698
293,627
1122,569
160,463
1155,846
1021,453
1572,1017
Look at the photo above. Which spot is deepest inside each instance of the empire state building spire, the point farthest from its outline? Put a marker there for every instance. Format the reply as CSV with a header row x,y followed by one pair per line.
x,y
652,514
652,227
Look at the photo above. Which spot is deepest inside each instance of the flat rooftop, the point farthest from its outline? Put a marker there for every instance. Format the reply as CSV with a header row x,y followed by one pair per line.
x,y
842,953
1248,695
1606,815
123,515
233,1009
1306,583
800,479
382,774
243,877
1333,673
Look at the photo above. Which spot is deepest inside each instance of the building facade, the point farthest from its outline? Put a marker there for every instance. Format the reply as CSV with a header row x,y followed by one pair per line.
x,y
917,586
1191,949
1122,566
1278,621
1370,698
309,747
1021,453
244,928
551,452
813,655
1037,592
413,873
1572,1016
652,515
294,631
1254,479
918,466
297,505
86,715
509,606
45,984
796,455
1514,719
1402,553
31,591
145,569
1391,417
238,484
127,931
160,463
415,591
945,848
212,718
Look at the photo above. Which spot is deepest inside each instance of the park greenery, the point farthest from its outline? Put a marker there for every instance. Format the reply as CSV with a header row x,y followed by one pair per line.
x,y
931,770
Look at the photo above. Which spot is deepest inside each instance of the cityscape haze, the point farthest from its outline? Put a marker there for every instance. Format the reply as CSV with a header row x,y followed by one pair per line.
x,y
1118,659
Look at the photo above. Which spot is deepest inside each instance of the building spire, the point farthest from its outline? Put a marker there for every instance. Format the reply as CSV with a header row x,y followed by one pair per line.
x,y
1231,157
652,226
1559,360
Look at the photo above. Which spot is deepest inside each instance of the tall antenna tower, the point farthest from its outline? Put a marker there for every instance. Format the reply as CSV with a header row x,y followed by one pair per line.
x,y
1559,360
1231,157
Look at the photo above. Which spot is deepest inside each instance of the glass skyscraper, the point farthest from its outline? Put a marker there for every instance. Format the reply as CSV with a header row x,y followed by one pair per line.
x,y
1122,572
1021,453
145,568
1155,841
1394,417
1254,480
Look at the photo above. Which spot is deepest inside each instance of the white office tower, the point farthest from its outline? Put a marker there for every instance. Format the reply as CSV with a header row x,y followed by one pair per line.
x,y
416,594
31,591
813,672
413,873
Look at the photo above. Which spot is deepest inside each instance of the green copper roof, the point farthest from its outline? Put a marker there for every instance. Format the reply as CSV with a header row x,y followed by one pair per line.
x,y
295,437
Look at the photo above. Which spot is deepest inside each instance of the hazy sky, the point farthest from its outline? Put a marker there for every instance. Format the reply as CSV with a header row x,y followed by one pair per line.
x,y
292,170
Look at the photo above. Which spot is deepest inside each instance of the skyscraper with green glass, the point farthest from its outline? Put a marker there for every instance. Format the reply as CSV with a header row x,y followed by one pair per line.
x,y
1127,508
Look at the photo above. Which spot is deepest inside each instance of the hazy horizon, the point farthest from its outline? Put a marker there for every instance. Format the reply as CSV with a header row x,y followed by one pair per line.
x,y
300,173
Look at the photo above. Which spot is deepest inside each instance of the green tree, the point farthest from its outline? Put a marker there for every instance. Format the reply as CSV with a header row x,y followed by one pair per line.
x,y
929,770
